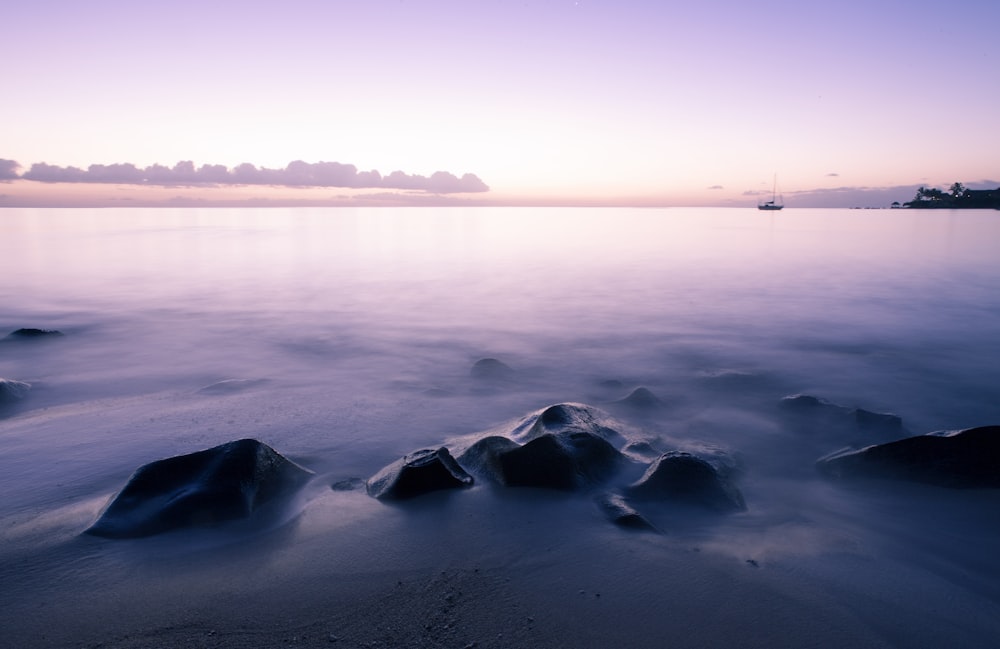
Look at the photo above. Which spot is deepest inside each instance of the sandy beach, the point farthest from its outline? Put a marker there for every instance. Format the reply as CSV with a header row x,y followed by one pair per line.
x,y
488,567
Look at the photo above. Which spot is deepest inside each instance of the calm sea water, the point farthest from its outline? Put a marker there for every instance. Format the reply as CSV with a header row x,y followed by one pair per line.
x,y
352,314
350,334
350,317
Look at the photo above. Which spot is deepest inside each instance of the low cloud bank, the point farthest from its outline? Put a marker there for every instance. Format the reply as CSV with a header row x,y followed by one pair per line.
x,y
8,169
296,174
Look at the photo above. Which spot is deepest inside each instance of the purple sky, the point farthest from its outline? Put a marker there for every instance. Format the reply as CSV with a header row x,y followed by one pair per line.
x,y
571,102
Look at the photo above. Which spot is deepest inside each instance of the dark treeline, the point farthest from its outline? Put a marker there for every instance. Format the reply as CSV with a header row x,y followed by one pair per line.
x,y
957,197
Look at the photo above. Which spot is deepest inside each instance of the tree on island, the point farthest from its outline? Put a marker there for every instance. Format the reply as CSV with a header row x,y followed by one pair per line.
x,y
958,197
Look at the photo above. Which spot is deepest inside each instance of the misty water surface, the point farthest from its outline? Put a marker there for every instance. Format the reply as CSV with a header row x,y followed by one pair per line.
x,y
347,335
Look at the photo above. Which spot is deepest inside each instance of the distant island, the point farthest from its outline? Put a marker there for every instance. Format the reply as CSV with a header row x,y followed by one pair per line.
x,y
958,197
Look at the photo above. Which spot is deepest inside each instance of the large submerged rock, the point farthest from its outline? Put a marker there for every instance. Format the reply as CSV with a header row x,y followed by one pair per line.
x,y
225,483
418,473
683,477
963,459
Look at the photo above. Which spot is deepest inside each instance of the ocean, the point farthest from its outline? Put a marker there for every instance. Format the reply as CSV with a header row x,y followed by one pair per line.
x,y
345,338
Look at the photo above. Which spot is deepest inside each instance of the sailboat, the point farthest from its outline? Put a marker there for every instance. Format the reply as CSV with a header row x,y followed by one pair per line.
x,y
776,202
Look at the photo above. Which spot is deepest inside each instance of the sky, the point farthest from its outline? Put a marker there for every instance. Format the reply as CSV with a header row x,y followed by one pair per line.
x,y
582,102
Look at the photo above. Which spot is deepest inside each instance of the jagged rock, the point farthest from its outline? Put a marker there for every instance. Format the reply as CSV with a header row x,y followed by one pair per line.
x,y
962,459
12,391
224,483
680,476
622,514
491,369
27,333
418,473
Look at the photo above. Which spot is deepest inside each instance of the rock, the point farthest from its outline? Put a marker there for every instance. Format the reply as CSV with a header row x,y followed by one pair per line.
x,y
684,477
881,423
961,459
565,418
491,369
566,446
622,514
643,450
640,399
418,473
12,391
225,483
26,333
809,411
808,404
569,461
483,458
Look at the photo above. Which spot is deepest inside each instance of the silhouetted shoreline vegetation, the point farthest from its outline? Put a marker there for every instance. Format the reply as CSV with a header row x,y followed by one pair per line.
x,y
958,197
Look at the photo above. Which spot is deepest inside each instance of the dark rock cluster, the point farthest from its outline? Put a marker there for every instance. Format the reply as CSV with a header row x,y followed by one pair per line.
x,y
567,447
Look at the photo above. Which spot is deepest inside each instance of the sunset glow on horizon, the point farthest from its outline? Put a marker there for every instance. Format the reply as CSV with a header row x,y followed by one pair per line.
x,y
633,103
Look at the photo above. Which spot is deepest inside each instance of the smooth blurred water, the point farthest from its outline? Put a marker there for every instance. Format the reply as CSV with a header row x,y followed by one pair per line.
x,y
351,334
351,315
892,310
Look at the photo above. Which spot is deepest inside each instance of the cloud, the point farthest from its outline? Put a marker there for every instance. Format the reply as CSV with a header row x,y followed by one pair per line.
x,y
46,173
716,187
833,174
297,173
8,169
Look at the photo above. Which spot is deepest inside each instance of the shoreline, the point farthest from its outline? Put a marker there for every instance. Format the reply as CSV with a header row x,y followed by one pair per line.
x,y
485,569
